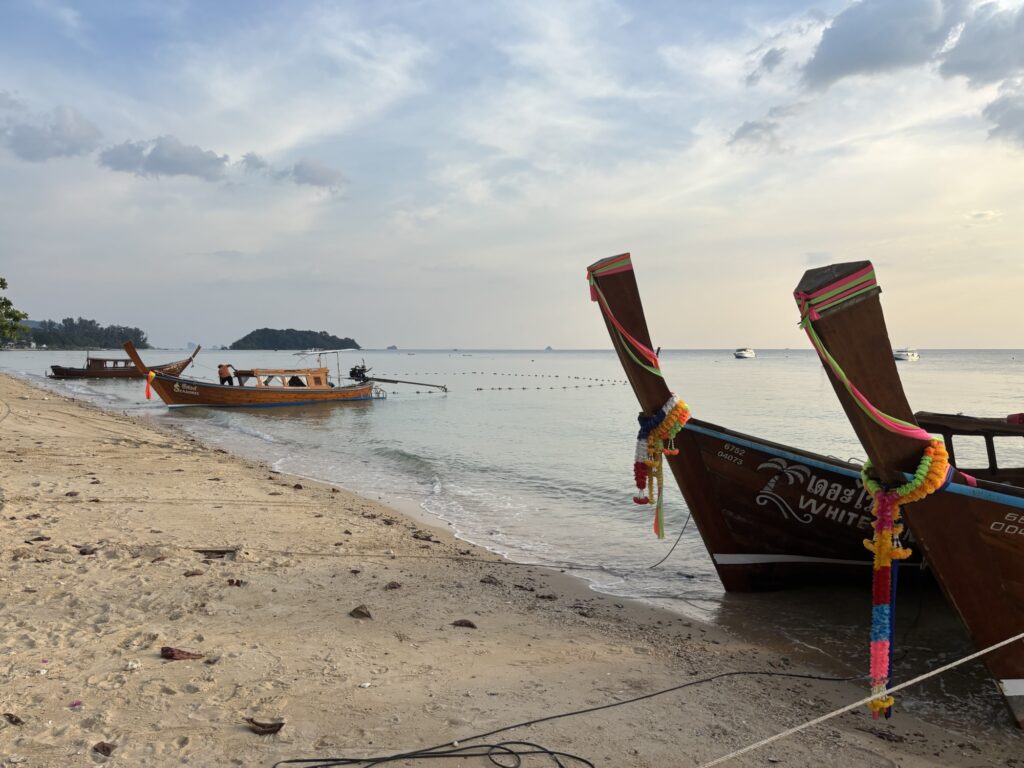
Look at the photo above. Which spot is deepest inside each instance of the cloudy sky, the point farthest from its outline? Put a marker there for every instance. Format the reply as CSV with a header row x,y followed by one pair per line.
x,y
438,174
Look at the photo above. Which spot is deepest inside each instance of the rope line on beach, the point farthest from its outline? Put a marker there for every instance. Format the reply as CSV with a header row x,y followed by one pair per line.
x,y
441,749
6,410
861,702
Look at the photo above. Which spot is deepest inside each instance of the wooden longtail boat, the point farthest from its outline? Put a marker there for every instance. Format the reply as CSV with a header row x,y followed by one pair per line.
x,y
117,368
971,532
261,388
771,516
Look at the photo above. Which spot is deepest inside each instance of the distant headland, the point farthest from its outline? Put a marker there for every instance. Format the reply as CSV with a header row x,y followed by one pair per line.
x,y
271,338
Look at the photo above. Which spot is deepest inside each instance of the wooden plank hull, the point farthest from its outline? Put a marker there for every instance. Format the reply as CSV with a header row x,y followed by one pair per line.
x,y
178,393
128,372
972,537
771,516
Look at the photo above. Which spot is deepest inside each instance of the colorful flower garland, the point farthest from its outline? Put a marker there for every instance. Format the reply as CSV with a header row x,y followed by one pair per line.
x,y
656,439
933,474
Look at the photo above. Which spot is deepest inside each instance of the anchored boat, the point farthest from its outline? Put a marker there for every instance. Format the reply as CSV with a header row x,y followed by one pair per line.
x,y
744,353
771,516
971,532
259,388
117,368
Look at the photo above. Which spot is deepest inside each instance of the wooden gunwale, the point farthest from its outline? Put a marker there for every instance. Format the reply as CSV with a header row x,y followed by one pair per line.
x,y
973,538
752,517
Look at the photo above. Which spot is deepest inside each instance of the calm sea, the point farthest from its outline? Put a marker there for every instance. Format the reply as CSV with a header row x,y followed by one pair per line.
x,y
530,455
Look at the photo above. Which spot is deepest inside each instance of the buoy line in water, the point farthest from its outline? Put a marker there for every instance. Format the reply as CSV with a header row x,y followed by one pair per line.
x,y
495,373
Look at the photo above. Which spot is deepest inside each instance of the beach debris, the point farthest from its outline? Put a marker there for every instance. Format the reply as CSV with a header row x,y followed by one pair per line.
x,y
194,573
423,535
297,487
218,554
334,490
212,660
547,597
158,559
213,479
464,623
236,583
33,516
76,704
71,493
364,685
37,538
275,493
178,654
355,571
524,588
393,585
360,612
104,748
490,580
13,719
264,729
87,549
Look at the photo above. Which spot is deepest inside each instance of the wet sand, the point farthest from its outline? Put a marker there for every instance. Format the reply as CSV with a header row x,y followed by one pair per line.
x,y
104,521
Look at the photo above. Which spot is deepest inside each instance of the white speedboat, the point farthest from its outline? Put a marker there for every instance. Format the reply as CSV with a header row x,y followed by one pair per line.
x,y
744,352
908,354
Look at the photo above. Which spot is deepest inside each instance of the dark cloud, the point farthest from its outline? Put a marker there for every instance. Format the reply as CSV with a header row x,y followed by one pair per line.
x,y
757,134
9,103
315,174
880,35
1006,114
990,47
164,156
253,163
65,134
771,59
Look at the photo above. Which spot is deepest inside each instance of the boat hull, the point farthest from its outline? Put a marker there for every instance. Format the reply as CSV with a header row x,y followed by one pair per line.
x,y
972,536
771,516
177,392
127,372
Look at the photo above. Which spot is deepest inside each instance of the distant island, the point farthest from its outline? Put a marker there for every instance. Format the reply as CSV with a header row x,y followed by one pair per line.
x,y
80,333
271,338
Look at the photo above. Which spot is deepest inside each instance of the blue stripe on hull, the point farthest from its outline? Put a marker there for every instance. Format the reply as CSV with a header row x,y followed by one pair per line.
x,y
962,490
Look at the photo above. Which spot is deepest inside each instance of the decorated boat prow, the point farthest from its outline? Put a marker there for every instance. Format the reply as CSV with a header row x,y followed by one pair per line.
x,y
771,516
258,388
971,532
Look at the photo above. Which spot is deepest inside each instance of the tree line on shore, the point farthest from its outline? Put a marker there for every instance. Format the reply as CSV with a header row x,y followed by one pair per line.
x,y
81,333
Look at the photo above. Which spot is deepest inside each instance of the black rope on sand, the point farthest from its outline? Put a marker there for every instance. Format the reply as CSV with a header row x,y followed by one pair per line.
x,y
505,749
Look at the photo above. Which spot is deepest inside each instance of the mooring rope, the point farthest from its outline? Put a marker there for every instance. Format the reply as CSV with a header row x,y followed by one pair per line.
x,y
861,703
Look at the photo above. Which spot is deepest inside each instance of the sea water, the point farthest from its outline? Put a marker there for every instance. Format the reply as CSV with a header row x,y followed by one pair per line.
x,y
530,454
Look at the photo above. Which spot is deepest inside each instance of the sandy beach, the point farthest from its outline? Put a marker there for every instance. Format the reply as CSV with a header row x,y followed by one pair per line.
x,y
120,540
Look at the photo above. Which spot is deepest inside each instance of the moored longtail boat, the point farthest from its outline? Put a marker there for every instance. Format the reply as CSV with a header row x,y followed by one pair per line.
x,y
970,532
771,516
117,368
263,388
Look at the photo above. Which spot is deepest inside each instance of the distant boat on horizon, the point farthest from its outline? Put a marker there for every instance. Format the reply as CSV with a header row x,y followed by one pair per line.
x,y
907,354
743,353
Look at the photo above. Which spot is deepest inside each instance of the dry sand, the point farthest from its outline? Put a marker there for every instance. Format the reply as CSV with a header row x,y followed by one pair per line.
x,y
101,517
